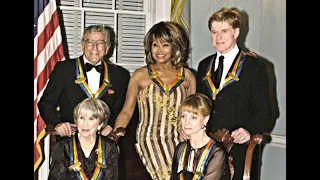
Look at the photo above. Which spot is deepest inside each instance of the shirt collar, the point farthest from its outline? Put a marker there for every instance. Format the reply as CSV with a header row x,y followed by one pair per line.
x,y
231,54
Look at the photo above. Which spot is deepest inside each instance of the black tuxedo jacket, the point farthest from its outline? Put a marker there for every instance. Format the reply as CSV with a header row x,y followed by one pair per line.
x,y
243,102
63,92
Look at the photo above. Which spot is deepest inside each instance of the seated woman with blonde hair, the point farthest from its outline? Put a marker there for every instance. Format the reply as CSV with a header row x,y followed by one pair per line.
x,y
86,154
201,157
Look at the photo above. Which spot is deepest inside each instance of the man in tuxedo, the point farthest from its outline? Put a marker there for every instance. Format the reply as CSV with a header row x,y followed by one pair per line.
x,y
241,97
88,75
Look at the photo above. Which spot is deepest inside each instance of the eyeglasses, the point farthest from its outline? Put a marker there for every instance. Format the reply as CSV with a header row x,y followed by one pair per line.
x,y
99,43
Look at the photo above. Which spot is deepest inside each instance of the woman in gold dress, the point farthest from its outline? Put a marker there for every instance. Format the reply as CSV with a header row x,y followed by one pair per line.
x,y
159,88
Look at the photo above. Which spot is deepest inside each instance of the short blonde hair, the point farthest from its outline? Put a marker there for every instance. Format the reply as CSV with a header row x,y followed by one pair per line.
x,y
197,103
230,15
99,109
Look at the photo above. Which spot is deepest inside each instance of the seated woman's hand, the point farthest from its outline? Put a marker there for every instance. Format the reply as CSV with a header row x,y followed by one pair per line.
x,y
183,135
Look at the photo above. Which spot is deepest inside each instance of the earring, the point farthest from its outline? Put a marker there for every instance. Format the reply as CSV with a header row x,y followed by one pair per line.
x,y
99,129
204,127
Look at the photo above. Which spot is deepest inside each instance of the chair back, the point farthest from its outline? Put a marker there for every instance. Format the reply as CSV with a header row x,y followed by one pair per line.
x,y
223,136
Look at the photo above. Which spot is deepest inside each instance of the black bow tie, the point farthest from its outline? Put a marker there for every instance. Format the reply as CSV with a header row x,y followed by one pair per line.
x,y
89,66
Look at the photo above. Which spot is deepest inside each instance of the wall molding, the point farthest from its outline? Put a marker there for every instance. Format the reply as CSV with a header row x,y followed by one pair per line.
x,y
278,141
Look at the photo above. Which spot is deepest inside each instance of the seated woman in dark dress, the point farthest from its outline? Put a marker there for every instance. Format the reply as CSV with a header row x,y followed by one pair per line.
x,y
86,154
201,157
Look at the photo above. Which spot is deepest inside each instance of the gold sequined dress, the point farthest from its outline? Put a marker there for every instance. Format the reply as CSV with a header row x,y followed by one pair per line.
x,y
157,132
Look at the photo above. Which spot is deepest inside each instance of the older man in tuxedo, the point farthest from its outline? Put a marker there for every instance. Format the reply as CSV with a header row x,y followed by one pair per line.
x,y
89,75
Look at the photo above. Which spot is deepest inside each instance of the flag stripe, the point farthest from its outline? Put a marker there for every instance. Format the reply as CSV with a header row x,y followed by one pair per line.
x,y
41,80
48,50
46,15
49,54
44,75
39,6
48,32
45,36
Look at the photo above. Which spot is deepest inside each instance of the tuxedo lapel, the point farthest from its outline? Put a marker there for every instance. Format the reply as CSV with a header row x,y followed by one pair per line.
x,y
83,68
231,77
208,77
233,74
102,76
233,63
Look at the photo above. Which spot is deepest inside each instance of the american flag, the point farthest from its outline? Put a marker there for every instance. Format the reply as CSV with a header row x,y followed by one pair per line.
x,y
47,51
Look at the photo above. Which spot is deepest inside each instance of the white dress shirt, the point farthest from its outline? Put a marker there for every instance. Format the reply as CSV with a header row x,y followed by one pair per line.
x,y
93,77
227,62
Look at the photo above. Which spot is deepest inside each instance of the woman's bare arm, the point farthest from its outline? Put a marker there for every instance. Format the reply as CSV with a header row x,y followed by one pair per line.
x,y
190,78
131,100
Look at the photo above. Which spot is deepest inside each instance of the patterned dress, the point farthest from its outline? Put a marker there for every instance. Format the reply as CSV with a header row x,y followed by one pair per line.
x,y
157,131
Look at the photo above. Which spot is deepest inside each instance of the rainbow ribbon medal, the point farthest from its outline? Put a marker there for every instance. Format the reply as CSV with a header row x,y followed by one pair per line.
x,y
167,89
81,80
232,76
198,173
76,164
